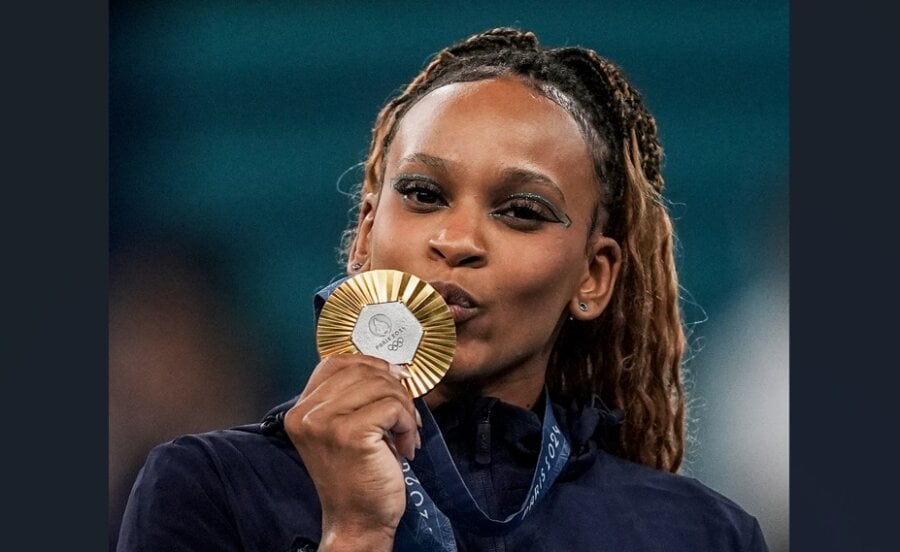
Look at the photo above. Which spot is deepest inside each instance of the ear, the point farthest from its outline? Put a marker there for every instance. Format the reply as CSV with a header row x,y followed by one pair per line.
x,y
358,257
598,280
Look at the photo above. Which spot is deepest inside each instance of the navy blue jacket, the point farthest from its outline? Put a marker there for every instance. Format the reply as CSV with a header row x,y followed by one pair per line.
x,y
246,489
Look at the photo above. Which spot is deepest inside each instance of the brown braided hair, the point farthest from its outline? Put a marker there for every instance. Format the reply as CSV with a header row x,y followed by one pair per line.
x,y
631,355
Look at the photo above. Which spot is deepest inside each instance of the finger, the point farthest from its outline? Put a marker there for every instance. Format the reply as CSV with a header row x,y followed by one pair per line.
x,y
338,396
388,415
330,365
408,442
354,387
334,364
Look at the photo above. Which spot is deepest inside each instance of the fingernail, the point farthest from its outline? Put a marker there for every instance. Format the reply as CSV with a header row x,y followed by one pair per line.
x,y
399,371
418,419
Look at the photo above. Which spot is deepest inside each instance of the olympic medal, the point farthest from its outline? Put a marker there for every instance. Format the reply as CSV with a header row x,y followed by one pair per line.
x,y
394,316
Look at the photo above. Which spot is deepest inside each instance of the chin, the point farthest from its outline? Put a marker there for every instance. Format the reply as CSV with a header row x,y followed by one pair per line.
x,y
460,374
472,371
467,362
463,374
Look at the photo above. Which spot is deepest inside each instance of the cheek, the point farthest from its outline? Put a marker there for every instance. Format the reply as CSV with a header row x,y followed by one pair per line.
x,y
390,237
542,275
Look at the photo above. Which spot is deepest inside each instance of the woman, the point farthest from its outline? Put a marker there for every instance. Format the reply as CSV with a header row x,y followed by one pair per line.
x,y
524,184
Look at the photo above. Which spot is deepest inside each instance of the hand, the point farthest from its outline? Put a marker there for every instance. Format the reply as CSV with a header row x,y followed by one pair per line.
x,y
340,426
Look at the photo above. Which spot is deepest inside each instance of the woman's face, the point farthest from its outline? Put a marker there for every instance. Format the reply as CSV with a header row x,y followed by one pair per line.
x,y
488,193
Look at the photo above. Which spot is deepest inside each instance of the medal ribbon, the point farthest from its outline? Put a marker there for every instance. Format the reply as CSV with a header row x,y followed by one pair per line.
x,y
426,523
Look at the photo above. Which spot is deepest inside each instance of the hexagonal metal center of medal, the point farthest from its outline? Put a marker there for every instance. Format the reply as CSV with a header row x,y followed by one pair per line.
x,y
388,331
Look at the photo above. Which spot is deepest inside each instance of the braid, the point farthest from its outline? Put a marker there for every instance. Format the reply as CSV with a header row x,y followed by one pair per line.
x,y
499,39
639,340
631,355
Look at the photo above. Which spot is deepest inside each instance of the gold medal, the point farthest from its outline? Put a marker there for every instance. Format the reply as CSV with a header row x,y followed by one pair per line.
x,y
394,316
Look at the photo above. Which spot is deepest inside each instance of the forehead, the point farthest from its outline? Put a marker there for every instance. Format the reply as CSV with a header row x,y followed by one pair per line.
x,y
500,122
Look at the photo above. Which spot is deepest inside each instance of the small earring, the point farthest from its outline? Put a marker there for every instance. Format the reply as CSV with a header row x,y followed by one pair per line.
x,y
582,307
356,266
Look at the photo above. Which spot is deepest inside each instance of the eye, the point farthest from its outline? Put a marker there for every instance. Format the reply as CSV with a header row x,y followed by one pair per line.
x,y
418,193
529,212
524,209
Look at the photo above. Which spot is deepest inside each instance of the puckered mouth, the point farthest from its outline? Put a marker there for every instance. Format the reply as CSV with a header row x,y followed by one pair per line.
x,y
454,294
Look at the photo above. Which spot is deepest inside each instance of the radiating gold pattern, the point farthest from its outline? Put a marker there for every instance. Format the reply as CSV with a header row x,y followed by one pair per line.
x,y
341,311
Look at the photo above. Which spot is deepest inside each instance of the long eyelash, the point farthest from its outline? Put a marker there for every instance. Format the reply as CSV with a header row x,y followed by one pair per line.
x,y
404,182
411,187
561,217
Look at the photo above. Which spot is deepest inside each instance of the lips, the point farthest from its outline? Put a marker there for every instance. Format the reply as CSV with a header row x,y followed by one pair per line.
x,y
462,305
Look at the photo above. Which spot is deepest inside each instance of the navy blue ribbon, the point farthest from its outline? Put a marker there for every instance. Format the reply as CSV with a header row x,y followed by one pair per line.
x,y
437,498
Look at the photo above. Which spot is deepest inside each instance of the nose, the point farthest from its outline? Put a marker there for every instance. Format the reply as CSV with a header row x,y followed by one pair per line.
x,y
457,239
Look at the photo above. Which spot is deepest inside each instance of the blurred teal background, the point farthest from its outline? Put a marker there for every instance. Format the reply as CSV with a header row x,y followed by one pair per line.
x,y
235,127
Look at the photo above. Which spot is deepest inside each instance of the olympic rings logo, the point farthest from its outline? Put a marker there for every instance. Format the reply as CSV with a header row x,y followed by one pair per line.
x,y
395,344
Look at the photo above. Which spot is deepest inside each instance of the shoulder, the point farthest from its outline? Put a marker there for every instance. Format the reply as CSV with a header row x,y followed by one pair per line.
x,y
238,440
220,491
208,449
670,506
222,460
201,464
645,482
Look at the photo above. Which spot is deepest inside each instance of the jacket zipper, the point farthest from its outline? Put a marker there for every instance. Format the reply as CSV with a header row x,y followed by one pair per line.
x,y
483,458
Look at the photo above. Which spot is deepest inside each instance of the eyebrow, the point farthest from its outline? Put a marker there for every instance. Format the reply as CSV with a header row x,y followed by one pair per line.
x,y
427,160
521,176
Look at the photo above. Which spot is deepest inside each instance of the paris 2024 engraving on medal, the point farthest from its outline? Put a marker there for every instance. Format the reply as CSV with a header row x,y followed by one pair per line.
x,y
388,331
